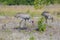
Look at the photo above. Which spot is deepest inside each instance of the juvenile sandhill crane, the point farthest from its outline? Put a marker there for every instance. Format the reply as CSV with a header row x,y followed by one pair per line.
x,y
47,16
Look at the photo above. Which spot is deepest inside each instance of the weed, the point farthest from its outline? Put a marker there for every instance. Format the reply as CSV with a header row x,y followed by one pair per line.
x,y
51,34
41,25
7,30
32,38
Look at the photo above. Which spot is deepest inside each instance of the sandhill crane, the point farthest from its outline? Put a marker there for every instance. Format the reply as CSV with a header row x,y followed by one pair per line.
x,y
47,16
24,17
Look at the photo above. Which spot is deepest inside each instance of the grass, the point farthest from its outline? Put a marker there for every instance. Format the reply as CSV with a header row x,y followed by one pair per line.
x,y
7,31
51,35
1,38
12,10
32,38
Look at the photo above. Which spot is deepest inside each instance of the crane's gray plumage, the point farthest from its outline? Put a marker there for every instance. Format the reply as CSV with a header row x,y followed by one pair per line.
x,y
47,15
23,16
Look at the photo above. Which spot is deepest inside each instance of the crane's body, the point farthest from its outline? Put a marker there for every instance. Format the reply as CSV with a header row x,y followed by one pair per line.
x,y
24,17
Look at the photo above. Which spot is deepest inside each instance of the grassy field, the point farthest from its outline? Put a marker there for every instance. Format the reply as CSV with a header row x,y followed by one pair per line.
x,y
12,10
52,30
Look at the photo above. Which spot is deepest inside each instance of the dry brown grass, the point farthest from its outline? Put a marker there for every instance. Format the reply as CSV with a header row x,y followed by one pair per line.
x,y
12,10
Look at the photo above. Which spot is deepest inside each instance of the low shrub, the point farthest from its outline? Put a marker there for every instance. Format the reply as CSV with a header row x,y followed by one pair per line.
x,y
41,24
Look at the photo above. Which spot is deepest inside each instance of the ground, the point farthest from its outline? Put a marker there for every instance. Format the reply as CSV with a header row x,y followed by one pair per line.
x,y
10,33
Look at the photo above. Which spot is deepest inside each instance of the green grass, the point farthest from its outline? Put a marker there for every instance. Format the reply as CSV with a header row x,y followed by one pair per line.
x,y
12,13
7,31
7,13
32,38
12,10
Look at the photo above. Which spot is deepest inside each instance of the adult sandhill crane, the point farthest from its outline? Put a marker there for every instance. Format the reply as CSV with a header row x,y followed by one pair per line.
x,y
24,17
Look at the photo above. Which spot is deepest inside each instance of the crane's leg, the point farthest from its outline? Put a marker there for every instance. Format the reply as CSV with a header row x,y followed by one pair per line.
x,y
20,23
46,20
52,19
